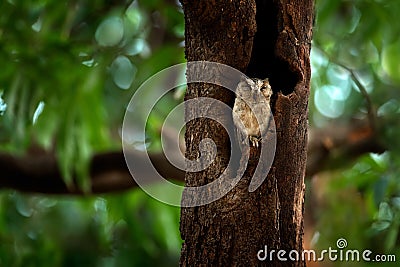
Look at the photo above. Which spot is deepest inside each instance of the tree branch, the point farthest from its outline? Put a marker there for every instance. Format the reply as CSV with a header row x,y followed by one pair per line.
x,y
108,173
337,146
330,148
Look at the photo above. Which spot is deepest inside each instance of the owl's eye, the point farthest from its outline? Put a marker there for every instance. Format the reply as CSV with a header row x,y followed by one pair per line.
x,y
265,86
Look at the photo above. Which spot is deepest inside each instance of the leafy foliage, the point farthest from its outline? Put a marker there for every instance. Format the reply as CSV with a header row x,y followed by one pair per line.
x,y
68,72
355,59
121,230
81,62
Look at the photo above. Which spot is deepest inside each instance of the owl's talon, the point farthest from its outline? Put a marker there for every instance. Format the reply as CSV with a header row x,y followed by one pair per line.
x,y
254,141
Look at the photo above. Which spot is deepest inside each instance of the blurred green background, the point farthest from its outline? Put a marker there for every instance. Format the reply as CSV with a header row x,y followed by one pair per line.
x,y
68,71
357,44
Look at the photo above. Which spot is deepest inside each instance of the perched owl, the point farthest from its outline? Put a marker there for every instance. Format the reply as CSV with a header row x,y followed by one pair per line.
x,y
252,97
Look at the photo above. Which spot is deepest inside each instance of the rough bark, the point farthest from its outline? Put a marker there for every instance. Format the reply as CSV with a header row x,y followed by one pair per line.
x,y
230,231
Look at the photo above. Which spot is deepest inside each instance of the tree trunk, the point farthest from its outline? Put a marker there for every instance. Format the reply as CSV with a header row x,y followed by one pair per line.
x,y
262,39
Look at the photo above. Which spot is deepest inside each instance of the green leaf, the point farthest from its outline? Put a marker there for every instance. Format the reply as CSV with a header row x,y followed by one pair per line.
x,y
391,60
385,212
110,32
123,72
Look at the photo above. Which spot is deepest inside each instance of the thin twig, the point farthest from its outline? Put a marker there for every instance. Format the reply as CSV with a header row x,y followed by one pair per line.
x,y
370,107
371,111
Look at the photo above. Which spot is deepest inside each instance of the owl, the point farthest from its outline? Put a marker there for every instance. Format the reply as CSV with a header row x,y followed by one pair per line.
x,y
252,97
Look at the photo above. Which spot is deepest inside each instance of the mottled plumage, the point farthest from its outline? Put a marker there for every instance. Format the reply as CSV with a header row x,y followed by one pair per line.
x,y
252,97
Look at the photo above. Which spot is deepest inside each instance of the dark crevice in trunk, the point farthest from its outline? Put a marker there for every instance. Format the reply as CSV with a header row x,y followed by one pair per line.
x,y
264,62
